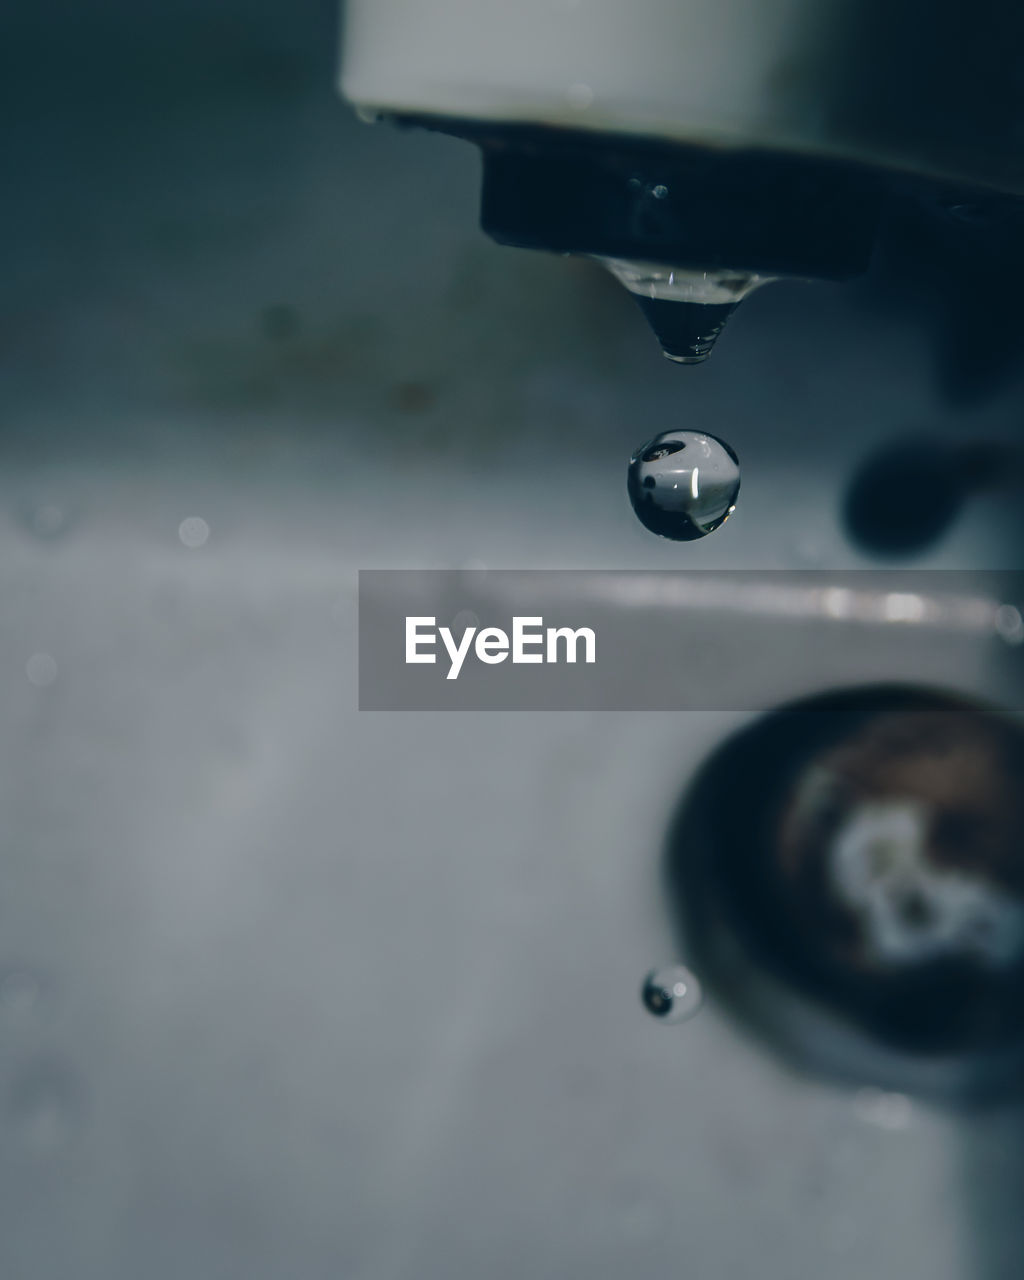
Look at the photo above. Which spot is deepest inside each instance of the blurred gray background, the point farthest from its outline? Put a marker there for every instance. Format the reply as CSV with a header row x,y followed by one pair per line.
x,y
290,991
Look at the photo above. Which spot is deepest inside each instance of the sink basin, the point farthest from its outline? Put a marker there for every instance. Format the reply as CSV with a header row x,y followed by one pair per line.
x,y
287,988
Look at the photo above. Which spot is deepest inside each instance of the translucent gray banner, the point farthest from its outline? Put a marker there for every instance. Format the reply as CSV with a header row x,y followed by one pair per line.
x,y
568,640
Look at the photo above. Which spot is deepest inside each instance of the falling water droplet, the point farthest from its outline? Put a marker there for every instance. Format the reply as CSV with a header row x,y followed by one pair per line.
x,y
683,484
672,994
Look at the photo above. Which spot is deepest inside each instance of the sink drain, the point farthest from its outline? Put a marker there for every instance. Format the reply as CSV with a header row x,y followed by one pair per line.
x,y
849,877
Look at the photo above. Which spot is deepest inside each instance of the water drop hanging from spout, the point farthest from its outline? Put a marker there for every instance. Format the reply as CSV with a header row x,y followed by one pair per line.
x,y
686,308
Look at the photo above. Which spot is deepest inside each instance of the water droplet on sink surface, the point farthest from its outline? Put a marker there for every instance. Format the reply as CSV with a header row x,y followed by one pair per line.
x,y
683,484
672,994
193,532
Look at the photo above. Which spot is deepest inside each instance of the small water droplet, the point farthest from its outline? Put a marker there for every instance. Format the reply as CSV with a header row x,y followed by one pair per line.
x,y
193,532
659,192
369,115
41,670
683,484
672,994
